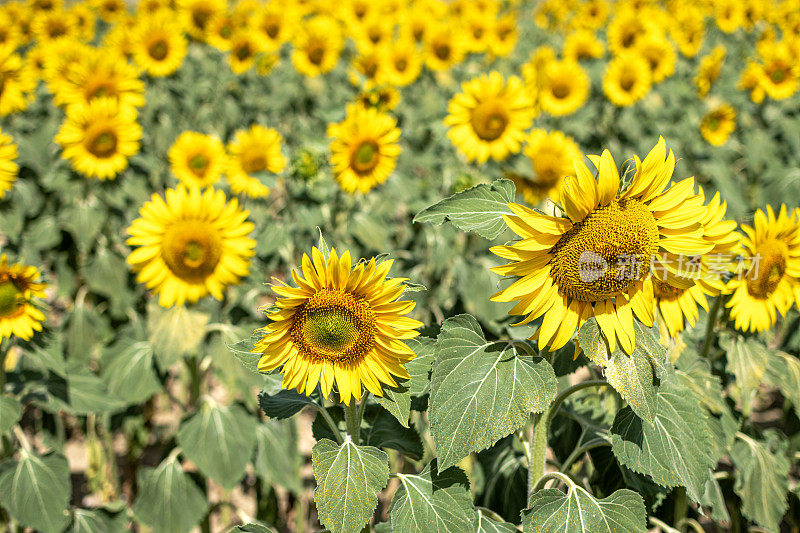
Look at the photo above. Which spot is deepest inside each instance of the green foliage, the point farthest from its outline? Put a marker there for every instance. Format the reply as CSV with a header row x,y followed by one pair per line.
x,y
481,391
36,490
349,478
10,413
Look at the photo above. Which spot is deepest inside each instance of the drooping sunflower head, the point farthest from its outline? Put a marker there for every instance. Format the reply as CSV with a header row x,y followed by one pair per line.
x,y
563,87
718,124
251,153
98,137
159,45
364,148
198,160
595,261
627,79
18,288
342,324
551,155
768,280
190,244
8,165
489,117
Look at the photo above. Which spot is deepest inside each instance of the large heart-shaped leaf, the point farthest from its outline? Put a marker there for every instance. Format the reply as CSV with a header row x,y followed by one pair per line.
x,y
482,391
36,490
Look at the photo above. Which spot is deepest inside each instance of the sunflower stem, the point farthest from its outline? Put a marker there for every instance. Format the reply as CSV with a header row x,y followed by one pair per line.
x,y
329,420
712,318
362,407
3,354
352,421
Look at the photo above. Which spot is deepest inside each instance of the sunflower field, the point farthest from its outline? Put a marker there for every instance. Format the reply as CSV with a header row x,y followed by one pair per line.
x,y
435,266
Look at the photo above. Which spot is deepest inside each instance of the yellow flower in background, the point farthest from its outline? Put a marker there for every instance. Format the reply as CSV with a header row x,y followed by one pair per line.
x,y
18,82
35,60
592,14
342,324
381,98
477,32
627,79
729,14
8,166
198,160
252,152
372,32
10,36
98,75
781,71
659,53
709,70
367,69
197,14
60,55
751,80
444,47
504,36
688,30
121,38
550,14
98,137
110,10
533,69
563,88
402,62
147,8
581,45
190,244
54,25
718,124
489,117
768,281
317,46
364,148
244,51
595,261
625,29
417,21
275,25
220,31
551,155
84,20
678,306
158,45
18,288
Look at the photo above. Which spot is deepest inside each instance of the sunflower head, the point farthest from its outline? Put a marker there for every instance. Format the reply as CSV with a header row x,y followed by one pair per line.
x,y
18,288
198,160
253,152
8,165
718,124
551,155
342,324
189,244
627,79
563,87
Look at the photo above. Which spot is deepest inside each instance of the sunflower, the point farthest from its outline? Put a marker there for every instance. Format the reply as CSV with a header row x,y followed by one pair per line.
x,y
10,36
581,45
563,87
659,53
594,261
445,47
17,82
592,14
98,138
367,69
158,45
688,31
489,117
275,25
627,79
8,167
197,14
121,38
110,10
718,124
781,72
59,56
729,15
317,46
252,152
750,80
18,287
245,49
341,323
381,98
84,20
551,156
54,25
679,305
504,36
364,148
709,70
769,279
99,75
625,29
402,62
191,244
477,30
374,31
196,159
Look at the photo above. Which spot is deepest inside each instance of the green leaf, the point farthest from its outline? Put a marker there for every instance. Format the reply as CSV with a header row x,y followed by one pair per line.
x,y
252,527
382,430
481,391
84,219
484,524
174,332
675,450
129,373
783,371
747,360
243,351
695,374
631,375
277,457
36,490
479,209
349,478
87,393
420,367
284,403
50,358
169,501
577,511
94,520
433,502
219,440
82,333
10,413
397,400
762,479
